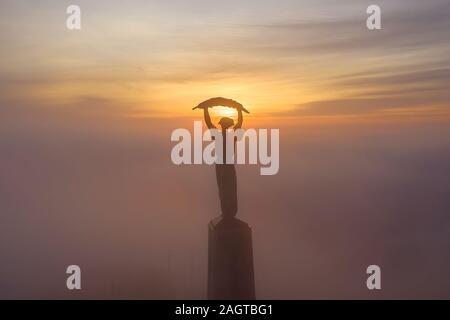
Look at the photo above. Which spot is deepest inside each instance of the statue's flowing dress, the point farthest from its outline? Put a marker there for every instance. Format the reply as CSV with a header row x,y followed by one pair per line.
x,y
226,181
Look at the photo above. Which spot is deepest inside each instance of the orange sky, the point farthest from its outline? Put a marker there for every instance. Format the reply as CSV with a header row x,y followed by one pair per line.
x,y
290,59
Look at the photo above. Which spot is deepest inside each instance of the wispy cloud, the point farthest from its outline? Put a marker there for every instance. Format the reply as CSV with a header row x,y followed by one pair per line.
x,y
277,55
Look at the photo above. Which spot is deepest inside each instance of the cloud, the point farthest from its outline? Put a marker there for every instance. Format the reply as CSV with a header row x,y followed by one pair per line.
x,y
429,77
274,59
367,106
410,28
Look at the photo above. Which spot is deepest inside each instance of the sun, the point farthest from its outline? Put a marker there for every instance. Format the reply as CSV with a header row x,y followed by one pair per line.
x,y
224,112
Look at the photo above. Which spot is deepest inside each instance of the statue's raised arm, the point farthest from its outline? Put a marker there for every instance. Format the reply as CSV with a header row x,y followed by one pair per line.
x,y
207,117
240,119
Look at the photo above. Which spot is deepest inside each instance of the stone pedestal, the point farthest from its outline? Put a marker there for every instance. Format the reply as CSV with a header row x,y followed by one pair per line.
x,y
230,260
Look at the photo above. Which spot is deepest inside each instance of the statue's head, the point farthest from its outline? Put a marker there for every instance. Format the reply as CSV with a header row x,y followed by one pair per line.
x,y
226,123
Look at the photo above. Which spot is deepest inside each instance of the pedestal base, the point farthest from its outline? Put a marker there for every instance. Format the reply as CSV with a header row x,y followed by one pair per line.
x,y
230,260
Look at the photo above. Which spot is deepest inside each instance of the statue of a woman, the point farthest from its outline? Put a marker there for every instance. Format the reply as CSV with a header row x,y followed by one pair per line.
x,y
225,173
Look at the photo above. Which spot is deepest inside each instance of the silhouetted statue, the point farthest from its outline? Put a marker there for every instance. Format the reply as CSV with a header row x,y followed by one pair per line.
x,y
225,173
230,251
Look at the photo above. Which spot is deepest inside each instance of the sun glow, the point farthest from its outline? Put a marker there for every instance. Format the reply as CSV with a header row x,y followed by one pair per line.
x,y
224,112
